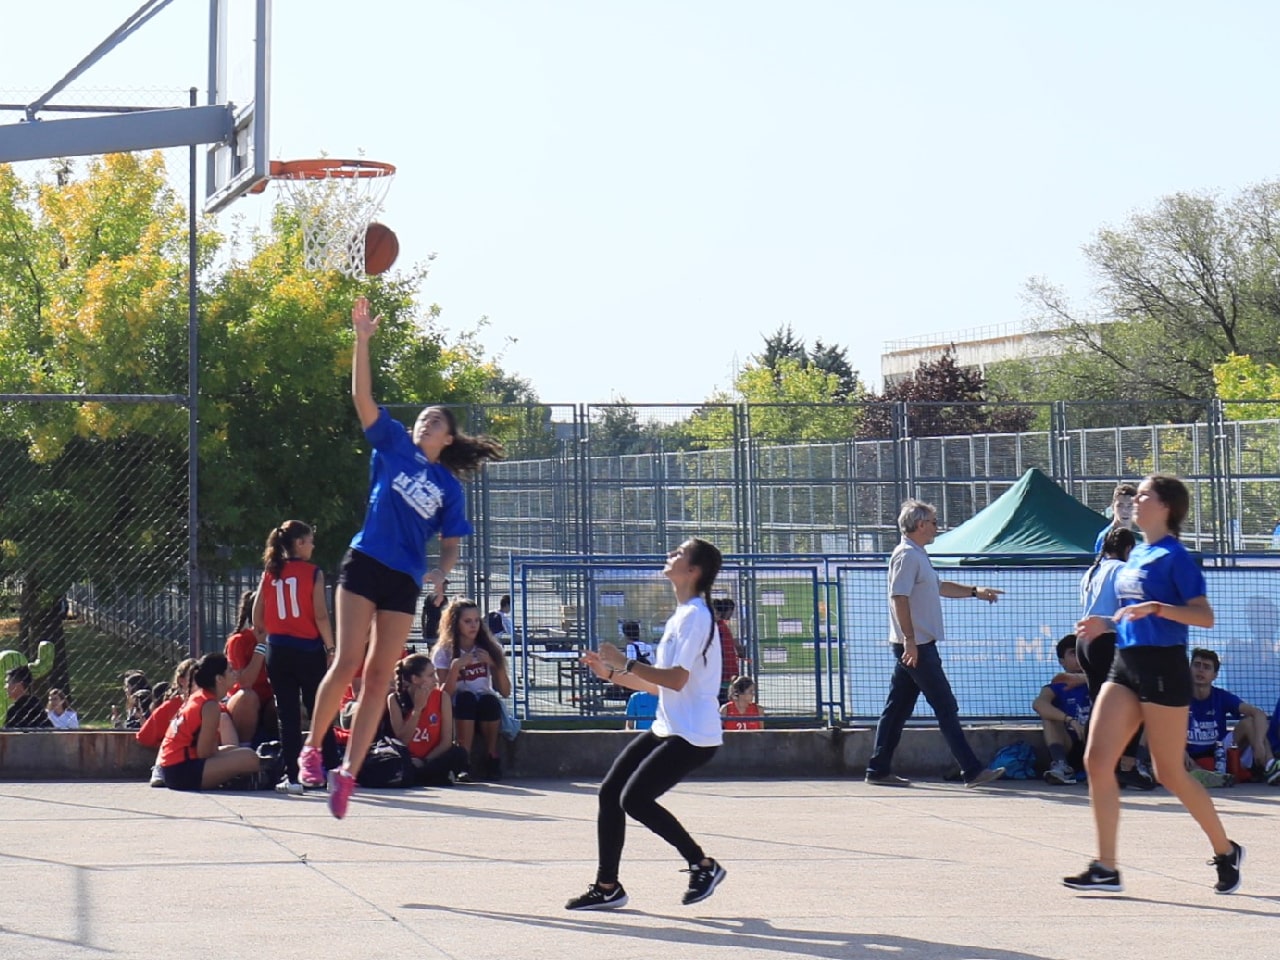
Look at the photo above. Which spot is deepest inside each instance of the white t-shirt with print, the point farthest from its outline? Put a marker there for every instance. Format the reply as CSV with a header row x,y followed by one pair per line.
x,y
693,713
472,678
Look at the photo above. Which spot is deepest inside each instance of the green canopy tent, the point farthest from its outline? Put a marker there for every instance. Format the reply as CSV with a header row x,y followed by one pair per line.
x,y
1035,522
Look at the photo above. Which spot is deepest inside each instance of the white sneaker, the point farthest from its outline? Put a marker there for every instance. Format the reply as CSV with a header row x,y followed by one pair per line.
x,y
1060,773
288,786
157,776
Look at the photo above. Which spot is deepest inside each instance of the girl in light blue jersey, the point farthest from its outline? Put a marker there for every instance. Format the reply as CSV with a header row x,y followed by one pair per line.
x,y
1161,591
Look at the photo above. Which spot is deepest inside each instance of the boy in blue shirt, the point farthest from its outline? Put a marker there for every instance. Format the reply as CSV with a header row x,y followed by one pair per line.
x,y
1211,708
641,708
1064,710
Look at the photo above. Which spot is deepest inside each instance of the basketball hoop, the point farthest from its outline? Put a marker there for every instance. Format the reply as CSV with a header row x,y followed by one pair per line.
x,y
334,201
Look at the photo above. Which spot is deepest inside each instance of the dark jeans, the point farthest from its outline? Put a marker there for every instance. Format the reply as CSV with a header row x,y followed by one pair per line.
x,y
647,768
295,676
905,687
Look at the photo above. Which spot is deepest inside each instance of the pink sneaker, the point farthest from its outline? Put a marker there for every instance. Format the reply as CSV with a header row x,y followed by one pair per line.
x,y
341,785
311,767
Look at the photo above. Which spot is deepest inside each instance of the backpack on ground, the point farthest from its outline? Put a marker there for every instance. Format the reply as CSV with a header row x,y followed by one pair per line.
x,y
1018,759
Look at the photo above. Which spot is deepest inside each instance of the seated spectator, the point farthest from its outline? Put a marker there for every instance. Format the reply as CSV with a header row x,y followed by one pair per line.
x,y
642,707
636,649
1207,727
473,671
731,652
742,703
25,711
151,734
132,681
251,702
190,756
421,717
59,711
1064,707
504,611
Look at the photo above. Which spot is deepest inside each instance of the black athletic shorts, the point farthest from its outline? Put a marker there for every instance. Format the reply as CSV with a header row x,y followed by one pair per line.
x,y
386,588
186,775
1159,675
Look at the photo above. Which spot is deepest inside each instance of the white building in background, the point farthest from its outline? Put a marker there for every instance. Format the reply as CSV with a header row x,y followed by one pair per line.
x,y
974,348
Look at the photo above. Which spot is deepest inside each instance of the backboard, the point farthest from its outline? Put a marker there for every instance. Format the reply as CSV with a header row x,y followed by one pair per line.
x,y
240,75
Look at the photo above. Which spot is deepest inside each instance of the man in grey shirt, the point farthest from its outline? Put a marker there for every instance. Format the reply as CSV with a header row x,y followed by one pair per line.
x,y
915,627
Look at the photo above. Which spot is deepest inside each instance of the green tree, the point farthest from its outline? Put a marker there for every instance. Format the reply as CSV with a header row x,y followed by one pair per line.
x,y
1181,287
784,346
788,403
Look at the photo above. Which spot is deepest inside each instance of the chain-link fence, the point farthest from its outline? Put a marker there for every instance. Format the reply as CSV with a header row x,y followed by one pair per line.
x,y
95,545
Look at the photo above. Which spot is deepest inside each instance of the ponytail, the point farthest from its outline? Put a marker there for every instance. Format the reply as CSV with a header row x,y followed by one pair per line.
x,y
280,543
245,617
467,454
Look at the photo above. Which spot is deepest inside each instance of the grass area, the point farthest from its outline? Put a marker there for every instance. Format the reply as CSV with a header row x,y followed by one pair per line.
x,y
96,661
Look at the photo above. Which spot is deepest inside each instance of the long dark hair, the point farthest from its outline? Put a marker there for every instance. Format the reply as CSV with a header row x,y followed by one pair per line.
x,y
1173,494
706,557
1117,544
245,617
280,543
208,669
467,454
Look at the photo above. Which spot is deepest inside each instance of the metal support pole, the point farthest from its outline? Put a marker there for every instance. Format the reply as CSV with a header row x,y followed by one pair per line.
x,y
193,410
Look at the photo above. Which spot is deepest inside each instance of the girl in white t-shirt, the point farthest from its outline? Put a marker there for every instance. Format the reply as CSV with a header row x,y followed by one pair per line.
x,y
472,670
685,675
60,713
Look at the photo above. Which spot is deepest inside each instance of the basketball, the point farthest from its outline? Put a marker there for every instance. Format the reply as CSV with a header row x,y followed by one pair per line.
x,y
380,249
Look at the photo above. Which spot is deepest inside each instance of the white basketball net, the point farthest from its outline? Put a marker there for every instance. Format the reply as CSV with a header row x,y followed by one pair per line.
x,y
334,212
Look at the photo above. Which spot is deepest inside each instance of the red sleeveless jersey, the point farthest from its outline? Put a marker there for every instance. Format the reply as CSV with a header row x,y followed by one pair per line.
x,y
287,604
184,731
427,737
731,713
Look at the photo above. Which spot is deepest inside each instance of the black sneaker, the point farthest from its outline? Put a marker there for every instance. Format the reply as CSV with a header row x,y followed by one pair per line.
x,y
702,882
886,780
1135,779
1098,878
1228,865
597,899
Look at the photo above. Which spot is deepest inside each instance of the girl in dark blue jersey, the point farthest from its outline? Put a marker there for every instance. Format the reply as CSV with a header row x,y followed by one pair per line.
x,y
1161,591
414,495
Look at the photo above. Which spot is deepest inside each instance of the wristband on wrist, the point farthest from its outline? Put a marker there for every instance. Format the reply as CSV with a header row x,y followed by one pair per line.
x,y
975,593
260,648
612,671
631,665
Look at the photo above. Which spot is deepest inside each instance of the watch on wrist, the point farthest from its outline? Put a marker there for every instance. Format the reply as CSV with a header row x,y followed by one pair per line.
x,y
631,665
975,593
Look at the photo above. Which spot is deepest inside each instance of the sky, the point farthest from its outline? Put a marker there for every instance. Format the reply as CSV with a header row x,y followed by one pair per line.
x,y
635,194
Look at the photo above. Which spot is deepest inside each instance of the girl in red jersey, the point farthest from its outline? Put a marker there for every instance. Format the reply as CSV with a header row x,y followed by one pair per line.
x,y
741,706
190,758
290,611
422,718
251,703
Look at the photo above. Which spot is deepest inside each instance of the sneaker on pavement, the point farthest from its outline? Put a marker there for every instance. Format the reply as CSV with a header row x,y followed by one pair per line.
x,y
157,776
341,785
1096,877
287,786
1060,773
311,767
702,882
985,776
1135,778
886,779
1272,773
1228,865
598,899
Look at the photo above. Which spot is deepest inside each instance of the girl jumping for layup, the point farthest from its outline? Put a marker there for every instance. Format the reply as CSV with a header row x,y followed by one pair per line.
x,y
414,494
685,675
1161,590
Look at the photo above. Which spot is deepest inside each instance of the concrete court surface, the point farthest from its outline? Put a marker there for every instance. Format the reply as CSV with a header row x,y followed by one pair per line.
x,y
821,869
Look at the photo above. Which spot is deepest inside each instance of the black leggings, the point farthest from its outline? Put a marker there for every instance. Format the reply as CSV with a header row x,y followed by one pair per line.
x,y
648,767
295,676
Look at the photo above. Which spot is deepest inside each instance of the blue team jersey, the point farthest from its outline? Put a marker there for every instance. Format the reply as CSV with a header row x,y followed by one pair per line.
x,y
1162,571
1075,702
410,501
1207,720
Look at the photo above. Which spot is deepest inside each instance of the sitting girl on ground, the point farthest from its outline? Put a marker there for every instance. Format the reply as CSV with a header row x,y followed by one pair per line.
x,y
471,668
190,758
422,718
742,704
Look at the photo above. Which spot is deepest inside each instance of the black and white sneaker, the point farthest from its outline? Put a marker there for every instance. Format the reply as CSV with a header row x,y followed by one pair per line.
x,y
1228,865
597,898
1098,878
702,882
